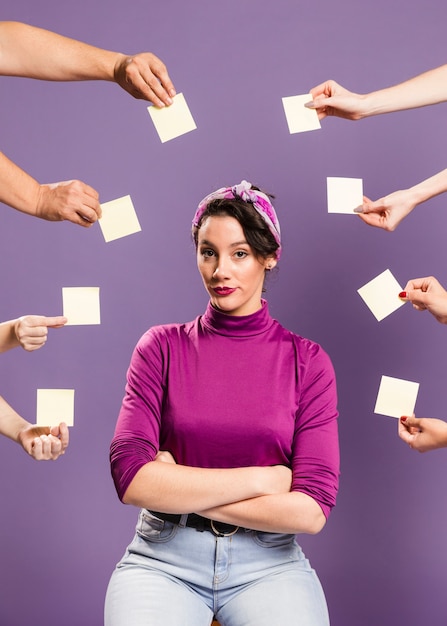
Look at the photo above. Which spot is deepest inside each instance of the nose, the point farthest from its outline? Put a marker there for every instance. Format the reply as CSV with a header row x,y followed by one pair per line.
x,y
221,270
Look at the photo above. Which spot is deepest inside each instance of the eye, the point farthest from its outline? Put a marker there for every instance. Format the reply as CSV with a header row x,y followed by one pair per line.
x,y
207,252
240,254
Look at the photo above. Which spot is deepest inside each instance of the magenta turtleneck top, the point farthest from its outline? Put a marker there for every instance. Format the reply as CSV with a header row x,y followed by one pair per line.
x,y
225,391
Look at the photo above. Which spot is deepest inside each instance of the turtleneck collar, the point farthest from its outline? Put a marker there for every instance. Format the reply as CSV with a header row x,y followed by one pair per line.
x,y
237,326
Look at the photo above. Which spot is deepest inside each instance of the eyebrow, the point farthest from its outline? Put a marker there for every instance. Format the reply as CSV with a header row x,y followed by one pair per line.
x,y
205,242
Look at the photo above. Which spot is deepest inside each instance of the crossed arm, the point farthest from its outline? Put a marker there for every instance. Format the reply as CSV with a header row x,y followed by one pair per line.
x,y
253,497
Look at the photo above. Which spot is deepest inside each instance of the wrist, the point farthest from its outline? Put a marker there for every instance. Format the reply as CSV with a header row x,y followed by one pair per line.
x,y
119,61
8,335
421,192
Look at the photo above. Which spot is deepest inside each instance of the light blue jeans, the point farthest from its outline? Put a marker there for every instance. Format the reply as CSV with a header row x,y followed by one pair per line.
x,y
173,575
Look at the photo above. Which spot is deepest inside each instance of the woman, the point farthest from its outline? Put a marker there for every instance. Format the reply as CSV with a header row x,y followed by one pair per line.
x,y
244,412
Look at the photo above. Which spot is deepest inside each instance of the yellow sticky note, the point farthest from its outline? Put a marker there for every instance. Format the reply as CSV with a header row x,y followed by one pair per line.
x,y
174,120
381,295
81,305
396,397
55,406
119,219
299,118
344,194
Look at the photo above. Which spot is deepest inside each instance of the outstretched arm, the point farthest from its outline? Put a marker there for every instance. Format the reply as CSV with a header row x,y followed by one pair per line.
x,y
330,98
29,331
37,53
71,200
423,434
389,211
42,443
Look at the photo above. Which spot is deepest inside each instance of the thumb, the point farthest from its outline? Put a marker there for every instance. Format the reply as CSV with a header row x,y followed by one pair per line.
x,y
410,421
318,102
371,207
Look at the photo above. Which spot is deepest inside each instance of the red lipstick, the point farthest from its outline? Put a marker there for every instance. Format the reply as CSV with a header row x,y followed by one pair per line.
x,y
223,291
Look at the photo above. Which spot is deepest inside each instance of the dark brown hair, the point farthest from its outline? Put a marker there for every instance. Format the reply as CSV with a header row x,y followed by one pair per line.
x,y
256,231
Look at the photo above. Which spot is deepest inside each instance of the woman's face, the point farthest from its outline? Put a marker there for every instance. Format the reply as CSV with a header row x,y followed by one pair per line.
x,y
231,272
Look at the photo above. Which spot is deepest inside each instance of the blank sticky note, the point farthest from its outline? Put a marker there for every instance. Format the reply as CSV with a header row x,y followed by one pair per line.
x,y
55,406
174,120
119,219
81,305
396,397
381,295
344,194
299,118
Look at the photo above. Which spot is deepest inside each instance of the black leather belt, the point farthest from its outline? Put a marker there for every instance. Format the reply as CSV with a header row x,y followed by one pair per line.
x,y
220,529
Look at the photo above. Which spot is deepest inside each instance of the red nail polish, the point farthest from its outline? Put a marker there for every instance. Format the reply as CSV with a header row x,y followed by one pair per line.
x,y
403,294
403,418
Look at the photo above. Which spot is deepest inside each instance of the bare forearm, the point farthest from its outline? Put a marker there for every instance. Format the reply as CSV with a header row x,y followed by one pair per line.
x,y
37,53
422,90
174,488
11,424
17,188
430,187
292,512
8,337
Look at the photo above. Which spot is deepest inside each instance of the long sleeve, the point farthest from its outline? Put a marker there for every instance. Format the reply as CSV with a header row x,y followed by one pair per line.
x,y
315,452
136,439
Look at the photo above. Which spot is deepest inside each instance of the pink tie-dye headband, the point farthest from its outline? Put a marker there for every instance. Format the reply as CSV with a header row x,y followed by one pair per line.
x,y
259,200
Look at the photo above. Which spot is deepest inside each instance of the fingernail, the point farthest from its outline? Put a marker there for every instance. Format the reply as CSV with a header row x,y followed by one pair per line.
x,y
172,93
403,418
310,105
358,209
403,295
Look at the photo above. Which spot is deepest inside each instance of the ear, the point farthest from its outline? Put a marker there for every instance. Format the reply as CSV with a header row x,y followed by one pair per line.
x,y
270,262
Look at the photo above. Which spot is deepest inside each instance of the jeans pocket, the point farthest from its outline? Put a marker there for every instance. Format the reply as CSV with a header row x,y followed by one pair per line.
x,y
153,529
274,540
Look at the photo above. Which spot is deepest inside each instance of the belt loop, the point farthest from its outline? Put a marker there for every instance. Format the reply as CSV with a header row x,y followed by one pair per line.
x,y
183,520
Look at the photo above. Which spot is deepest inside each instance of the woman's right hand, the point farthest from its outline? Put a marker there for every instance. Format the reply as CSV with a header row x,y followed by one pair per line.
x,y
163,456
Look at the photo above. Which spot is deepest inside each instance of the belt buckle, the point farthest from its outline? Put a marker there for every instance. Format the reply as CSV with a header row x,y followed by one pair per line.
x,y
218,533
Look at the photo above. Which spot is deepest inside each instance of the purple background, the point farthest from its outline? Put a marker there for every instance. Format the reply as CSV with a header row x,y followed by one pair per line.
x,y
382,556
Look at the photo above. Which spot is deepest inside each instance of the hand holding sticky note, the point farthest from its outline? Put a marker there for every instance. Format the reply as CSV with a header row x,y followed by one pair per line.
x,y
396,397
299,118
174,120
